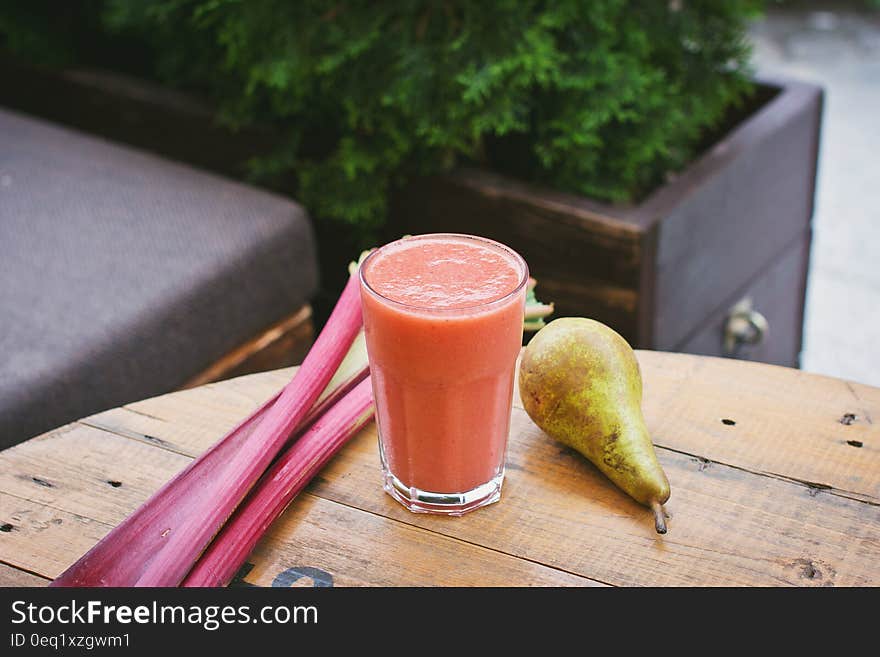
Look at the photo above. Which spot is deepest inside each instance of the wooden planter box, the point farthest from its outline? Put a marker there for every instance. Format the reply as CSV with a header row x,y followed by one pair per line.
x,y
666,272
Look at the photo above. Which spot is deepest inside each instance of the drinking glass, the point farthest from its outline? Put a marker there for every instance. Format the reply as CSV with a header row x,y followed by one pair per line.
x,y
443,317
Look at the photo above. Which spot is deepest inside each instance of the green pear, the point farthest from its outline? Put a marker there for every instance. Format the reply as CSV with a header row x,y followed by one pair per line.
x,y
580,383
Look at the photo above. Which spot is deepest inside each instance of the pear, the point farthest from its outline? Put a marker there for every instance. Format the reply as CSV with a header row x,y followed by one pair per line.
x,y
580,382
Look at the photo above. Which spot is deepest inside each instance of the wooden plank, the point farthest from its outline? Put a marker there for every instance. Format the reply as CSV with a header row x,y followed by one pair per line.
x,y
353,548
42,539
192,420
84,474
787,422
730,527
10,577
87,472
350,547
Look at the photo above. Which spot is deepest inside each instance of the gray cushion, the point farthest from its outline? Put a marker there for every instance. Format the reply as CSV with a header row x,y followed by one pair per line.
x,y
123,274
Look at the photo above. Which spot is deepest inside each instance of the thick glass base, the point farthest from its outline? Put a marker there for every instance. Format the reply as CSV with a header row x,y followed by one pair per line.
x,y
450,504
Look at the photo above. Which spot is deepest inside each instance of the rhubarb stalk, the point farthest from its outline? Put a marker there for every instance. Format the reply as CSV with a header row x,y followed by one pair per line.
x,y
159,543
283,481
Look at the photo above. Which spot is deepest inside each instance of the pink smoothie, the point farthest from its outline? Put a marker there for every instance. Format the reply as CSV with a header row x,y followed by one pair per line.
x,y
443,316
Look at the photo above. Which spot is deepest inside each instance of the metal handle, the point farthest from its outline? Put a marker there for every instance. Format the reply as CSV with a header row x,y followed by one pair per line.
x,y
744,326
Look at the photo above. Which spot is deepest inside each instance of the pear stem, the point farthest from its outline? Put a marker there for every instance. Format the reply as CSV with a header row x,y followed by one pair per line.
x,y
659,516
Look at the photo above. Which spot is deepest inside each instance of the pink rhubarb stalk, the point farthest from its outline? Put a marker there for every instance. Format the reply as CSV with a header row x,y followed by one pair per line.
x,y
158,544
284,480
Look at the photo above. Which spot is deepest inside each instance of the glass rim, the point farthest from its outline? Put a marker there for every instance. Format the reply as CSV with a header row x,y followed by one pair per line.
x,y
458,309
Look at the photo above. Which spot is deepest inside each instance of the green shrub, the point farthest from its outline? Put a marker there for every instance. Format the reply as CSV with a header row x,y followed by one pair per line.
x,y
602,98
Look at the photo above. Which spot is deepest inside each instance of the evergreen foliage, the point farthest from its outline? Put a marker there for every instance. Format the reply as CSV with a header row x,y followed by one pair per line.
x,y
598,97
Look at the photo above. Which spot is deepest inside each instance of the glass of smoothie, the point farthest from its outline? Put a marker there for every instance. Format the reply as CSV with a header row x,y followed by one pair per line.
x,y
443,316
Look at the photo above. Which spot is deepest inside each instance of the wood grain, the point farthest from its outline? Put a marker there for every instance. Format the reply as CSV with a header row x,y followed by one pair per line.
x,y
190,421
44,540
364,549
781,497
788,423
10,577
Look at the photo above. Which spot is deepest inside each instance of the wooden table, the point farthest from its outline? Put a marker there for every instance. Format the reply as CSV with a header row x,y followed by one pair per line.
x,y
775,477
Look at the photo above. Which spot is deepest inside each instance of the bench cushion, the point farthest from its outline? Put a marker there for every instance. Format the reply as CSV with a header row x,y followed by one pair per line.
x,y
123,274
